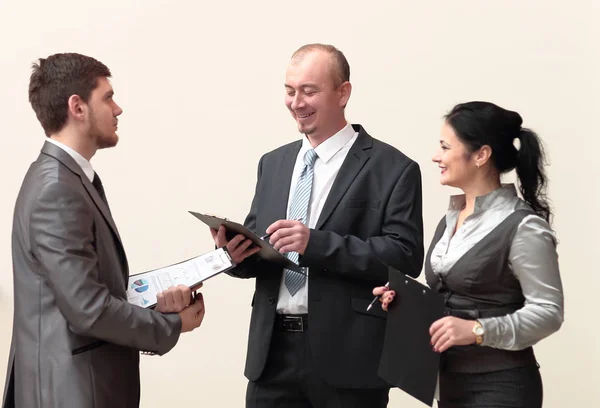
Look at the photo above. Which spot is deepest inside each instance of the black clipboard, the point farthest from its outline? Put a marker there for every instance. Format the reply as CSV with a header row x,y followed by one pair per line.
x,y
267,252
408,360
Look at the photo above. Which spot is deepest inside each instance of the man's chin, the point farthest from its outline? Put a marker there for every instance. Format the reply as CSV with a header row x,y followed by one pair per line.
x,y
305,130
108,142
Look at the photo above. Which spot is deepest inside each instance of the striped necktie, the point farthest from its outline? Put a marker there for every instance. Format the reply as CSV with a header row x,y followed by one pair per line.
x,y
299,211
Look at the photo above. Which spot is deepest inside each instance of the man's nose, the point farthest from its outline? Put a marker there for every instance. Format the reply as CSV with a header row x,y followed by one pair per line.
x,y
298,101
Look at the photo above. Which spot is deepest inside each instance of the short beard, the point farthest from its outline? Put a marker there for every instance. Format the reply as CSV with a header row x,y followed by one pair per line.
x,y
307,131
95,134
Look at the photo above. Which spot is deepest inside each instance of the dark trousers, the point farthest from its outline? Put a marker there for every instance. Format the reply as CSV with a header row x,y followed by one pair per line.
x,y
291,380
515,388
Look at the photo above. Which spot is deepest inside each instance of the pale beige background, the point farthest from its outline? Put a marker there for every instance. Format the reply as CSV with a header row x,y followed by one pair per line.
x,y
201,88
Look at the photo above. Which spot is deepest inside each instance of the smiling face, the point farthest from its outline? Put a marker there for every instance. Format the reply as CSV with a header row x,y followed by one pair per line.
x,y
313,98
456,163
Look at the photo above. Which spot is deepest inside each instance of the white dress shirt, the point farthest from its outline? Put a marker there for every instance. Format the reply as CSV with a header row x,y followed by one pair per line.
x,y
85,165
330,156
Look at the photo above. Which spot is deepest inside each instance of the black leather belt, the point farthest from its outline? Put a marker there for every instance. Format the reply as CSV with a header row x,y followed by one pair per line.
x,y
292,323
473,314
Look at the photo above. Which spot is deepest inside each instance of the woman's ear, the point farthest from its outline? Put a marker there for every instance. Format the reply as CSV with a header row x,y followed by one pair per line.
x,y
483,155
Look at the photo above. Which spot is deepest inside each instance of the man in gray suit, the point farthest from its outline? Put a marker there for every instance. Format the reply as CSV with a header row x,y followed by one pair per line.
x,y
76,339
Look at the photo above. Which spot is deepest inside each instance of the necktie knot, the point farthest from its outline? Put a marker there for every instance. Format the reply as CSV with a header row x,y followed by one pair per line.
x,y
310,157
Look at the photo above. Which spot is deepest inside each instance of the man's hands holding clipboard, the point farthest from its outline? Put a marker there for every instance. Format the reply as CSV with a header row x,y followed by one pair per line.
x,y
187,303
239,247
284,235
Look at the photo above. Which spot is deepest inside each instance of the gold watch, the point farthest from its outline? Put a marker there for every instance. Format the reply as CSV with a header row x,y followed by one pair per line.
x,y
478,332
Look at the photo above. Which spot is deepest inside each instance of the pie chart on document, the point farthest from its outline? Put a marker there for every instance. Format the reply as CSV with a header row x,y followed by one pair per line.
x,y
140,285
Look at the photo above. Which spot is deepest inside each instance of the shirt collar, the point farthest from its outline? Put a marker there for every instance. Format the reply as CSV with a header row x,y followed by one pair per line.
x,y
487,201
85,165
326,150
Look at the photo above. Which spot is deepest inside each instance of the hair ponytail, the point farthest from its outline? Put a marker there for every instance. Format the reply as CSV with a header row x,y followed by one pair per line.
x,y
530,170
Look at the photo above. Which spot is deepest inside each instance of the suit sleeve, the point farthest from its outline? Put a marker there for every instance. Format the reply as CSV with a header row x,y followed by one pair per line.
x,y
250,266
62,226
400,244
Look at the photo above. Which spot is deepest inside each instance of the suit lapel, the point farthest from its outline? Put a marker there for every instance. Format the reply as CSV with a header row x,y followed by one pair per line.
x,y
284,179
108,217
357,157
69,162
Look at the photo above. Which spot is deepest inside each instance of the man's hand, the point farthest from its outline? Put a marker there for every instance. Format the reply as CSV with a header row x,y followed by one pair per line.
x,y
289,236
192,316
174,299
238,247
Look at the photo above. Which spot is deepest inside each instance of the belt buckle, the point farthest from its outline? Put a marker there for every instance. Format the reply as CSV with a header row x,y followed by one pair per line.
x,y
291,322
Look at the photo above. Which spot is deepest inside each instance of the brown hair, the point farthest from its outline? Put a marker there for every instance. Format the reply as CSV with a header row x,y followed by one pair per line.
x,y
55,79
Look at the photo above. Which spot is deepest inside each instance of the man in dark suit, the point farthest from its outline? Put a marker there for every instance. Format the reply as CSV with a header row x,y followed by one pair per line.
x,y
344,205
76,339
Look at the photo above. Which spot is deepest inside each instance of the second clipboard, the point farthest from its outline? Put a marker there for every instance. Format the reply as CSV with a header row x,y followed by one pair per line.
x,y
267,252
408,361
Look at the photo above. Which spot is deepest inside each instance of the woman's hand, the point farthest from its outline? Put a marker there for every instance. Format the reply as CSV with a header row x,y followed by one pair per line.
x,y
386,294
451,331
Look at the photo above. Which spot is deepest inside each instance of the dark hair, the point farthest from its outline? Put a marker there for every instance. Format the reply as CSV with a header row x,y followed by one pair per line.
x,y
55,79
341,69
482,123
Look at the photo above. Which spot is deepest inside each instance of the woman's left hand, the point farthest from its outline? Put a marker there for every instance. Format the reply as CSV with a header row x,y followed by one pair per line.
x,y
451,331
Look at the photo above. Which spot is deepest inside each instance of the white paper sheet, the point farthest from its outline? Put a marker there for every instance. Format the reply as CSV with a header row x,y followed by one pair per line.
x,y
143,288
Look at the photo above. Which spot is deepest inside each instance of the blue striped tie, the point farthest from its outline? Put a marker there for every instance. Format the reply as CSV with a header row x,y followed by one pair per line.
x,y
299,211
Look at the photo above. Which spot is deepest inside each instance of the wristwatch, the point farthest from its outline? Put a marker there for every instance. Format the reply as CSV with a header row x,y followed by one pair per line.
x,y
478,332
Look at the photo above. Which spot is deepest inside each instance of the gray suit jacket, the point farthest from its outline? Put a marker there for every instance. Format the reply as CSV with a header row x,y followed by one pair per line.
x,y
76,339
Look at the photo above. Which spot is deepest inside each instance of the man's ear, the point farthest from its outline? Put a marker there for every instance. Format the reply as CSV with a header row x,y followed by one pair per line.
x,y
345,90
77,107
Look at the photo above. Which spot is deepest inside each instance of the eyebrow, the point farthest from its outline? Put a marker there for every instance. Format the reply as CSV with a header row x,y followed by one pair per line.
x,y
447,144
304,86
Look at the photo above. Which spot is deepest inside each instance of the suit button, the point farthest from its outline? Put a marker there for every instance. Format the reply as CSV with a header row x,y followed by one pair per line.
x,y
271,300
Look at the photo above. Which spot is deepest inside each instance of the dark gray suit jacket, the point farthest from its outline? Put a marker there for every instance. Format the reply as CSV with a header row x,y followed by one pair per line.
x,y
76,339
371,218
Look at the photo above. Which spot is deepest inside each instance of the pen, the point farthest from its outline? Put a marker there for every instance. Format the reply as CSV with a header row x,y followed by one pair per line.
x,y
387,285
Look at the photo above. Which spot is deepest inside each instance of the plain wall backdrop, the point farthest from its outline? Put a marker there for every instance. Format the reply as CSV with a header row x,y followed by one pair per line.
x,y
201,86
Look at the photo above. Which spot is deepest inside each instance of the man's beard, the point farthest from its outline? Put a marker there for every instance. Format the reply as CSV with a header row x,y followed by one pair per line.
x,y
102,141
307,130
